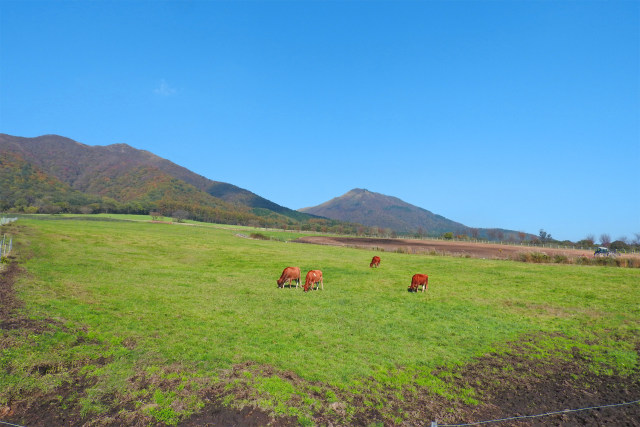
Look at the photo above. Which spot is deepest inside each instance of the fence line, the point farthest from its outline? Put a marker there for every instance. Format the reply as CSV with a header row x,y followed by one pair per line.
x,y
4,220
564,411
5,247
509,243
435,423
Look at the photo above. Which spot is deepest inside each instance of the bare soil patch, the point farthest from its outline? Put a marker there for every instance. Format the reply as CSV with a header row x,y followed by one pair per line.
x,y
441,247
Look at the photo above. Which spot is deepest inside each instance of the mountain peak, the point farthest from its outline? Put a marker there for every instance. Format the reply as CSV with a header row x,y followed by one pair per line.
x,y
378,210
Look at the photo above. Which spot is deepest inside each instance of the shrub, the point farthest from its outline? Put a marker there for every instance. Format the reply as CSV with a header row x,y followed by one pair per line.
x,y
583,260
561,259
634,263
535,257
259,236
604,261
540,257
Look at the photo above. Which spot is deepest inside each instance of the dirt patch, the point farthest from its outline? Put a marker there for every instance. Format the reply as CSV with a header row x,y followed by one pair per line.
x,y
220,416
442,247
506,385
512,385
10,317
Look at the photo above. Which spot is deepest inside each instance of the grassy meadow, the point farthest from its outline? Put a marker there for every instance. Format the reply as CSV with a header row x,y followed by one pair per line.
x,y
196,306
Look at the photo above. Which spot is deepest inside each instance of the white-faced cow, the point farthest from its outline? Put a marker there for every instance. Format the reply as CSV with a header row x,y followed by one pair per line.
x,y
313,278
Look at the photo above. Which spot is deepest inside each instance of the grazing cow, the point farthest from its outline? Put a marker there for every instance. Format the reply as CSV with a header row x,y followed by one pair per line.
x,y
313,278
375,262
419,280
289,273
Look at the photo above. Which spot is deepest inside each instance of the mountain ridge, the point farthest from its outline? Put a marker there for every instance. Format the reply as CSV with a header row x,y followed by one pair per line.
x,y
379,210
78,165
52,173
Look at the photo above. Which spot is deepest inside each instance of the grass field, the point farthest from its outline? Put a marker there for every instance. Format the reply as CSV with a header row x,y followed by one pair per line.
x,y
153,314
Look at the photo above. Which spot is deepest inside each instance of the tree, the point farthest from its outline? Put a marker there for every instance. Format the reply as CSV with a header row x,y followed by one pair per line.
x,y
605,239
180,215
474,233
585,243
619,245
543,236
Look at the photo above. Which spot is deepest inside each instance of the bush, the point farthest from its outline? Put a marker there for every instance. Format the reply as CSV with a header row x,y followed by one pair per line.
x,y
561,259
259,236
604,261
583,260
535,257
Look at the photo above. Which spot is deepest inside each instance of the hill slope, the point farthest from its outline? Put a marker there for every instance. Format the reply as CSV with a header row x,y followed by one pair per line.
x,y
126,174
378,210
375,209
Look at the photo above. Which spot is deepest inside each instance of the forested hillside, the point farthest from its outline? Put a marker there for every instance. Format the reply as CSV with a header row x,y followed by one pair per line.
x,y
375,209
53,174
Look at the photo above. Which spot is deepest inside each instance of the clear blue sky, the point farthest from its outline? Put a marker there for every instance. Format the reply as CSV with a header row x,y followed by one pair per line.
x,y
514,114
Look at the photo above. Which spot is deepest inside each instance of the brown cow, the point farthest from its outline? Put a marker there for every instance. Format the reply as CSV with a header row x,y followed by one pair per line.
x,y
419,280
375,261
313,278
289,273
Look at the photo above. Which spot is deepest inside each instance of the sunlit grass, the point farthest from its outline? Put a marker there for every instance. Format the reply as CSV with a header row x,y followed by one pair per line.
x,y
204,299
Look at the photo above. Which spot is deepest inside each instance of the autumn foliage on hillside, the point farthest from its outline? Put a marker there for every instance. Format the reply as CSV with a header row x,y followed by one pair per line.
x,y
125,187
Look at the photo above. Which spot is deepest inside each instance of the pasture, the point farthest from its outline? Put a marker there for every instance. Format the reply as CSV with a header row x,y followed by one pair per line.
x,y
157,321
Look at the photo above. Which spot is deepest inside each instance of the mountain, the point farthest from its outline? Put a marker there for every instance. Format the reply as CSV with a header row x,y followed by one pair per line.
x,y
51,173
93,169
378,210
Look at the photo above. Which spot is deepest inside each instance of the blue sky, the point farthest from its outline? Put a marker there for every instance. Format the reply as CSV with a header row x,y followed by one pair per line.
x,y
515,114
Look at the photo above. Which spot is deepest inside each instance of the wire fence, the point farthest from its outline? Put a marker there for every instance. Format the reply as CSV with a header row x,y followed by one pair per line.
x,y
522,417
6,244
528,244
4,220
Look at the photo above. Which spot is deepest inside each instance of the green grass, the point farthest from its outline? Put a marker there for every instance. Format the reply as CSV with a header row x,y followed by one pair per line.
x,y
199,300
